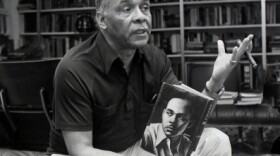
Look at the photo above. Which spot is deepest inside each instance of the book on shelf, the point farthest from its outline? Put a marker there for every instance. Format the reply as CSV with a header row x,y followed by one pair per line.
x,y
249,98
275,44
175,43
228,98
3,24
1,4
177,104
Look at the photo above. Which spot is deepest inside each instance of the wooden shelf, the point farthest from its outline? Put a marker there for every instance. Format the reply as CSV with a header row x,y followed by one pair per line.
x,y
213,55
272,54
27,11
249,26
53,33
164,4
174,55
277,25
214,2
165,29
68,9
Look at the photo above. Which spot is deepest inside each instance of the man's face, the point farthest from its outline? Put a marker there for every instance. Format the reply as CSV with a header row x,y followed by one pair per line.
x,y
175,118
128,22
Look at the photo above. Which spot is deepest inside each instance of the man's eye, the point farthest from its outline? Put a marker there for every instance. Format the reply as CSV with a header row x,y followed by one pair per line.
x,y
182,118
145,8
126,9
169,113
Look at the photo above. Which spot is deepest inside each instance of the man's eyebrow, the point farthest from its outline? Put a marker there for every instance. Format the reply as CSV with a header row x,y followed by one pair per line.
x,y
125,1
169,110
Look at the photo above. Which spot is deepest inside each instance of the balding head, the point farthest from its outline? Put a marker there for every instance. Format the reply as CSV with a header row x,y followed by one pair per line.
x,y
101,4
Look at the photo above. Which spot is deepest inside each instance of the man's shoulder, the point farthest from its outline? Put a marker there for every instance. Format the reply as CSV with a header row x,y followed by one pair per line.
x,y
79,56
153,128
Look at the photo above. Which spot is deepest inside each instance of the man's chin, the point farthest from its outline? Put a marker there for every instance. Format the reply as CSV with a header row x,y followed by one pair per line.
x,y
169,134
139,44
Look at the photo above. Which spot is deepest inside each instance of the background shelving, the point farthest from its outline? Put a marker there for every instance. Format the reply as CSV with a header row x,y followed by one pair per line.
x,y
187,30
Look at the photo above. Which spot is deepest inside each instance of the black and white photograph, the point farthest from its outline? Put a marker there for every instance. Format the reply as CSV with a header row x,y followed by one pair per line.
x,y
89,78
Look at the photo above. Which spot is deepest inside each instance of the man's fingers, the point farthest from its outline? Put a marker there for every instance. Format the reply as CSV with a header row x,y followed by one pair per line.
x,y
221,47
234,55
246,44
250,47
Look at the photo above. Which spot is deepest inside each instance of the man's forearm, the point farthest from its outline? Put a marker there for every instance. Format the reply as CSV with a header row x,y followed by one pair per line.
x,y
214,86
213,89
89,151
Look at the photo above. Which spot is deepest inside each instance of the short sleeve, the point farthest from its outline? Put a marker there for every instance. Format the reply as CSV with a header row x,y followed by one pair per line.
x,y
72,106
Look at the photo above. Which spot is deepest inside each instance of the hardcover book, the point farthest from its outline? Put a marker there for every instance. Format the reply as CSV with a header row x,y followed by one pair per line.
x,y
177,121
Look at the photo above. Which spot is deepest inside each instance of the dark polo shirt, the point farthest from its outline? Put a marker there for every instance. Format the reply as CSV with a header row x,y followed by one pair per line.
x,y
94,92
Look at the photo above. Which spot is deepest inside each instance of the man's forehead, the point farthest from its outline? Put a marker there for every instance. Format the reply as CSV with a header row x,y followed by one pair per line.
x,y
134,1
177,105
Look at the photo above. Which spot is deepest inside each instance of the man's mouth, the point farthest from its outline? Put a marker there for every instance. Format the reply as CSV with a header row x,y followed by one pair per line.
x,y
141,31
169,128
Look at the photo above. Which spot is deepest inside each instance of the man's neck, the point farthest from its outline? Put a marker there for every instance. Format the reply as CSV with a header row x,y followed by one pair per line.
x,y
126,54
127,58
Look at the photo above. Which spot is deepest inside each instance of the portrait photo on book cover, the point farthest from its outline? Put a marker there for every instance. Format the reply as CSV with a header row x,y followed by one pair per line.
x,y
176,122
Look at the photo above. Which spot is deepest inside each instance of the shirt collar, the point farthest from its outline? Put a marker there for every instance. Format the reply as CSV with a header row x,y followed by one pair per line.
x,y
162,137
108,55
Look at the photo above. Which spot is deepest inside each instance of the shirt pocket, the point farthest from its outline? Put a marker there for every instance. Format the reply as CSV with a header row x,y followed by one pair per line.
x,y
105,110
146,110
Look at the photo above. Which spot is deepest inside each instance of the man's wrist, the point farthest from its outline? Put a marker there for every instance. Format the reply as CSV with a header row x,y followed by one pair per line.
x,y
214,86
214,94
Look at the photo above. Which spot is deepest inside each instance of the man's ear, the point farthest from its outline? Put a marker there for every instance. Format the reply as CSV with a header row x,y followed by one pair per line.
x,y
100,20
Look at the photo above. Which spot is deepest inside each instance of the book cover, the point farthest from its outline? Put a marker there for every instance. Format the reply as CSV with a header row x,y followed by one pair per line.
x,y
177,121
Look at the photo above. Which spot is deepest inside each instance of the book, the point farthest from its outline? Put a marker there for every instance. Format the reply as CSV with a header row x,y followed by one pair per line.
x,y
179,112
228,98
249,98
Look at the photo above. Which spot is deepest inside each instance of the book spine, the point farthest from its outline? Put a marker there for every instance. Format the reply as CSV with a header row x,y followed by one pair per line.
x,y
210,106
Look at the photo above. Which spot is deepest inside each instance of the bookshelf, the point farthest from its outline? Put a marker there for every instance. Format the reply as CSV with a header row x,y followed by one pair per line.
x,y
187,30
3,18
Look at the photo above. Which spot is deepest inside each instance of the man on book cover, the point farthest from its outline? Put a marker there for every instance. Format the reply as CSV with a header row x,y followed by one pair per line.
x,y
168,138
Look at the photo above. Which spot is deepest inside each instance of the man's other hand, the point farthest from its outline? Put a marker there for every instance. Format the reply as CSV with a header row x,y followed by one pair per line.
x,y
226,62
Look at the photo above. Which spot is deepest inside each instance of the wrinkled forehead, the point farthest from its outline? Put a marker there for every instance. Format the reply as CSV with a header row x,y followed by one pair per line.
x,y
133,1
116,2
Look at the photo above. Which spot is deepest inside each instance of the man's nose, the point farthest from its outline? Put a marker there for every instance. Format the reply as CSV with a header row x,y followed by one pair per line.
x,y
139,16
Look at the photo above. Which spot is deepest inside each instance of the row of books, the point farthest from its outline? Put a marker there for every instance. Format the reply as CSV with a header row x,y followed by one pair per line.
x,y
273,13
164,17
170,43
199,42
235,14
61,22
51,4
241,98
27,4
3,27
274,44
208,42
58,46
